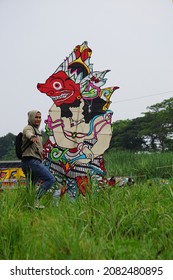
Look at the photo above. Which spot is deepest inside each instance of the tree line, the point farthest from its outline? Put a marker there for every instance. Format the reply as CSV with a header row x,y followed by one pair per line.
x,y
152,132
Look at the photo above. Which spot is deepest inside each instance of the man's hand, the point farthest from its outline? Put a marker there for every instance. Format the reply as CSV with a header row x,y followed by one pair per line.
x,y
34,139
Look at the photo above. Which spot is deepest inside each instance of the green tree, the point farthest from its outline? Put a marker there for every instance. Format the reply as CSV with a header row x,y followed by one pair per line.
x,y
151,132
126,135
7,150
158,125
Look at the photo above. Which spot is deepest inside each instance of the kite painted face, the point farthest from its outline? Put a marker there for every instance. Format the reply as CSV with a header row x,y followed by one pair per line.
x,y
60,88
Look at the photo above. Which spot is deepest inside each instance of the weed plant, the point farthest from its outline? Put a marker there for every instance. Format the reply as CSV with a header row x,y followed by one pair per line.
x,y
139,165
133,222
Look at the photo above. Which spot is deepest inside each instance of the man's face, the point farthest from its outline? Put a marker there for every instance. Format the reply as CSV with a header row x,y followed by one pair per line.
x,y
38,119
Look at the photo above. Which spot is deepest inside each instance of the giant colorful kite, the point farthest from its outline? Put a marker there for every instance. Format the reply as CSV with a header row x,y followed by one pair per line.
x,y
79,122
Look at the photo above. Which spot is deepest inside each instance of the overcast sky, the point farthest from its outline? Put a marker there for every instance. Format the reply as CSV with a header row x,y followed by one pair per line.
x,y
132,38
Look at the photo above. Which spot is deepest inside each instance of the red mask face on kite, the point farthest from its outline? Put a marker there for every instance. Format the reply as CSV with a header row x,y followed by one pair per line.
x,y
60,88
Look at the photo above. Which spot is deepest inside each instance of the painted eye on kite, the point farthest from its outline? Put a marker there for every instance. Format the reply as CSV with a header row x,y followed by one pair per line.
x,y
57,85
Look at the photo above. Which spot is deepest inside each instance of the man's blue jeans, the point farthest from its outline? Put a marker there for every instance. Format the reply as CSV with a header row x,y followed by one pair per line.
x,y
35,170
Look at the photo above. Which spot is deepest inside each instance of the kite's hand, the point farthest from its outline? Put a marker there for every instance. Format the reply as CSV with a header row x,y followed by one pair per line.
x,y
88,153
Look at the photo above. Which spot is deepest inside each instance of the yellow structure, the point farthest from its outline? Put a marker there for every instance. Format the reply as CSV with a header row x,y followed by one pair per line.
x,y
11,173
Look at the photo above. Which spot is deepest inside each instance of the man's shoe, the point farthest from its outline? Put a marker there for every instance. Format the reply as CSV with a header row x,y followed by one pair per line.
x,y
38,205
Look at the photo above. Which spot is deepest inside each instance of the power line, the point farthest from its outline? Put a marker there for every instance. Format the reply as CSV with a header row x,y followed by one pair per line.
x,y
135,98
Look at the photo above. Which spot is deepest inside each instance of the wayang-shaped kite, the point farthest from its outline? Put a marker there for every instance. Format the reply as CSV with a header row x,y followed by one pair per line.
x,y
79,122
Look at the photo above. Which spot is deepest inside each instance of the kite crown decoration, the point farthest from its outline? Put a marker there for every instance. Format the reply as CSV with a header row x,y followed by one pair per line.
x,y
75,79
79,121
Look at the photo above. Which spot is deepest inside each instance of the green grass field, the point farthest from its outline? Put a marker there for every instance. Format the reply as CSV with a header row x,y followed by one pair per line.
x,y
129,223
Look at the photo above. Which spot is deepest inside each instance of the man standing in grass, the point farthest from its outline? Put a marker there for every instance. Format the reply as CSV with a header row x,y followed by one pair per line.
x,y
32,157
